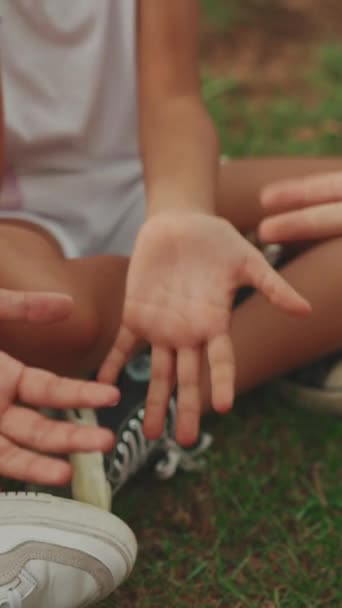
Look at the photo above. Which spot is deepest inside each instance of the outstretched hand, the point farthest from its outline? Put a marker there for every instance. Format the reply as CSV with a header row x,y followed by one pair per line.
x,y
25,434
183,275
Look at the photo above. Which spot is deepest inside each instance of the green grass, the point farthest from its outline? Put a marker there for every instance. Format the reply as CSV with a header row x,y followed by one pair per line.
x,y
286,124
262,527
221,14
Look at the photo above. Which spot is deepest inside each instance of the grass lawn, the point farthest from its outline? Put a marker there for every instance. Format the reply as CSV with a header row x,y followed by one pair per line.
x,y
262,527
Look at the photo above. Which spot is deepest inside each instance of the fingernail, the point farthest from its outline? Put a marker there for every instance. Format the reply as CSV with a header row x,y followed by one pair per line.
x,y
265,231
100,440
61,297
108,442
266,197
107,395
60,473
306,306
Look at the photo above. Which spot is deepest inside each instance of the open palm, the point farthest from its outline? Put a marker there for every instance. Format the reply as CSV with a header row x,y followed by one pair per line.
x,y
182,279
24,433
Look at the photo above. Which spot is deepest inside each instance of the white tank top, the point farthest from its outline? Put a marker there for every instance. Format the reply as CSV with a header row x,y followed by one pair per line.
x,y
70,96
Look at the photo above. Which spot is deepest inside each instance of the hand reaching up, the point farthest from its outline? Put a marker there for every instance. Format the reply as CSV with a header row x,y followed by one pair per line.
x,y
184,272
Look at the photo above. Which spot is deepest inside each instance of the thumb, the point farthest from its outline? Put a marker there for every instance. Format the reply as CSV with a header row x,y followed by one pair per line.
x,y
260,274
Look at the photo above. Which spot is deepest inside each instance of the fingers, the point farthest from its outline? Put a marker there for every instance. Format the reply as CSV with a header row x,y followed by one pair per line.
x,y
22,465
322,221
34,307
161,386
35,432
189,395
44,389
222,372
124,346
304,192
189,400
258,273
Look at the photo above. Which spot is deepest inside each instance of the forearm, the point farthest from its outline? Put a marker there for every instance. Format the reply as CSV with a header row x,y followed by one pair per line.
x,y
180,152
179,143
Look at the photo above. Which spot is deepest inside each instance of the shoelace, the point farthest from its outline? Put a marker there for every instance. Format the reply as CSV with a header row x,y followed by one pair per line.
x,y
13,600
175,457
134,450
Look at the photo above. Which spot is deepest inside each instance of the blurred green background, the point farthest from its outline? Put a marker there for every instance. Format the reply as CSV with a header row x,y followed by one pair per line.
x,y
273,75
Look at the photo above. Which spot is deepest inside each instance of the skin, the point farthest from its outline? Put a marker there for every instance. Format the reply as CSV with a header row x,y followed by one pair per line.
x,y
310,208
183,317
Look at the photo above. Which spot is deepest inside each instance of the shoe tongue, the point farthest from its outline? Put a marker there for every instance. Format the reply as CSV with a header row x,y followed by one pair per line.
x,y
133,388
112,418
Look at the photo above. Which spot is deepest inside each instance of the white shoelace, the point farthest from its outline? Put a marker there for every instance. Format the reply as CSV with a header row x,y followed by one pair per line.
x,y
13,600
178,458
134,450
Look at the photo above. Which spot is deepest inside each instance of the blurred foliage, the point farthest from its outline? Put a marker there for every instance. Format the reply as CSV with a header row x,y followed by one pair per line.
x,y
285,124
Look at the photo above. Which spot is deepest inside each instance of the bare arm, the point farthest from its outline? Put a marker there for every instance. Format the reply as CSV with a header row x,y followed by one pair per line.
x,y
186,264
179,143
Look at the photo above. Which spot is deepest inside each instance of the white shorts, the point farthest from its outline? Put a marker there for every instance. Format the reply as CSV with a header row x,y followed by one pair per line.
x,y
98,214
103,231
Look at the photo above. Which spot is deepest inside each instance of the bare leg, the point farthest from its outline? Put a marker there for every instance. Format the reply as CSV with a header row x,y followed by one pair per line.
x,y
267,342
30,259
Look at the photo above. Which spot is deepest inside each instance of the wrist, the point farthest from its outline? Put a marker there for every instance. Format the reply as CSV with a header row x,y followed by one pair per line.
x,y
175,203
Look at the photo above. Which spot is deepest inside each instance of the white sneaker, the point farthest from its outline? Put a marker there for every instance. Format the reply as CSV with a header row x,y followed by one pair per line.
x,y
57,553
317,386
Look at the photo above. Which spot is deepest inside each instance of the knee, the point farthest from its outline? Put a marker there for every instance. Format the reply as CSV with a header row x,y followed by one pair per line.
x,y
78,342
68,347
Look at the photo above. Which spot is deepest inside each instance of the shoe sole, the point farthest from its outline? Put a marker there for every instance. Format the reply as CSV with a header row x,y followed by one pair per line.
x,y
89,483
319,400
67,515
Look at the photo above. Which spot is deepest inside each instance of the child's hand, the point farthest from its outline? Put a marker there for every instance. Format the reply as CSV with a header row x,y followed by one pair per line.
x,y
23,432
309,208
182,278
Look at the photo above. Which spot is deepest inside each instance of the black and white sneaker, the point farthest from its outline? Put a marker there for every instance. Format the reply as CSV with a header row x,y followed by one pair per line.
x,y
98,478
315,387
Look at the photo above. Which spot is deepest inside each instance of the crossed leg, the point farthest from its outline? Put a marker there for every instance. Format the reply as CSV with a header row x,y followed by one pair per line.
x,y
266,341
31,258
